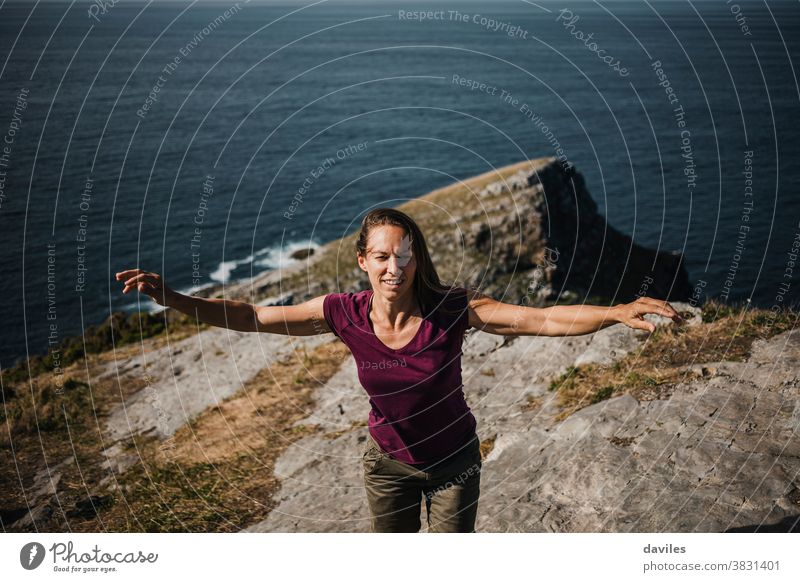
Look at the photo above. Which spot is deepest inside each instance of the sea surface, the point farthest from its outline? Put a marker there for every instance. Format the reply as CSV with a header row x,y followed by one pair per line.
x,y
208,140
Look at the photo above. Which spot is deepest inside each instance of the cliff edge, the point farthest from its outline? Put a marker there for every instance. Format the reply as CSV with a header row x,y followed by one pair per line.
x,y
691,428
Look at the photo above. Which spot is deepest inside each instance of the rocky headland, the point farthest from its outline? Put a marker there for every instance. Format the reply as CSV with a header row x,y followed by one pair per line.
x,y
691,428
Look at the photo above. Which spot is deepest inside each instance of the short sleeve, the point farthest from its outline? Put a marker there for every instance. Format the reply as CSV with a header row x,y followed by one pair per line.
x,y
463,307
332,311
457,311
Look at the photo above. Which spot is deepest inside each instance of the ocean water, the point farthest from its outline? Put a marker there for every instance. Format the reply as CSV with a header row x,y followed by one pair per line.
x,y
208,140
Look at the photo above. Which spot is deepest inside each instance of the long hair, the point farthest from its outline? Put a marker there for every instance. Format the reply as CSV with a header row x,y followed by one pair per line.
x,y
427,286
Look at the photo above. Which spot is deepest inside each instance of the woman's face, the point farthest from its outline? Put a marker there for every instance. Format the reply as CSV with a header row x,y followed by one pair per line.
x,y
389,262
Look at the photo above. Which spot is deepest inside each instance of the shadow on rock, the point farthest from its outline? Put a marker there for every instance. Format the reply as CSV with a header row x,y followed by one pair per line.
x,y
789,524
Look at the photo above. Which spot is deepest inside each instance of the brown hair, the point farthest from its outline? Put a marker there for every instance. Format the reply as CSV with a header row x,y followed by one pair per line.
x,y
428,289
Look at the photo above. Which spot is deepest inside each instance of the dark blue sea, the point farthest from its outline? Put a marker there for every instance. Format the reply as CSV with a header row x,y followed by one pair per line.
x,y
207,140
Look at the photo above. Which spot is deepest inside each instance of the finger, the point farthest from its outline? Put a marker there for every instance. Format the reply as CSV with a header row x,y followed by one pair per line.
x,y
652,302
668,310
657,308
664,312
135,280
645,325
129,288
675,315
146,289
127,273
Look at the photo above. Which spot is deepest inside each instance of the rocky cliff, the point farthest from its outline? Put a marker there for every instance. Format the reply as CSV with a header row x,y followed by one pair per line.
x,y
716,452
205,429
525,232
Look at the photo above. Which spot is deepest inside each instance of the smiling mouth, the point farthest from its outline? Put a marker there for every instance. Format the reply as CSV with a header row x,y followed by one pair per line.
x,y
393,282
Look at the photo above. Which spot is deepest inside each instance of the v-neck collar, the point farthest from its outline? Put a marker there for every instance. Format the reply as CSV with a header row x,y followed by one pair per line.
x,y
372,329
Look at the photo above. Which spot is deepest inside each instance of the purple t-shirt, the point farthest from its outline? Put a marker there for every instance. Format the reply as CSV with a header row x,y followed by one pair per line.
x,y
419,414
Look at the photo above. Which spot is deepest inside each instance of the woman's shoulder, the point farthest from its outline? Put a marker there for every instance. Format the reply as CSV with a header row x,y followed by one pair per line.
x,y
350,295
454,295
452,303
349,305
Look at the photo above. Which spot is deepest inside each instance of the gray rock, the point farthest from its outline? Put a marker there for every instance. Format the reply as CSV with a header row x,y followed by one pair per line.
x,y
213,364
612,343
322,487
340,402
721,453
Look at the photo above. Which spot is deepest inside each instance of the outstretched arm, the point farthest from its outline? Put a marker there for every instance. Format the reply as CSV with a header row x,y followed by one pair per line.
x,y
561,320
304,319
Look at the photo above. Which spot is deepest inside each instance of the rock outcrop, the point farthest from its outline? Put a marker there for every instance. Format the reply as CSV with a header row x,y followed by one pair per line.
x,y
529,232
721,454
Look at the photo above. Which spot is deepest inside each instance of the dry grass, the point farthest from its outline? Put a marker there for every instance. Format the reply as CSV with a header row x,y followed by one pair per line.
x,y
661,363
532,404
214,474
119,331
487,446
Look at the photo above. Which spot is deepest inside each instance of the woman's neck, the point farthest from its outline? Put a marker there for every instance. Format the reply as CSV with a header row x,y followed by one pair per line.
x,y
394,314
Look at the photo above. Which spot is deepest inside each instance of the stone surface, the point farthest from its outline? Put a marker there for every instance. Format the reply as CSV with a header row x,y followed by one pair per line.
x,y
534,235
193,374
721,453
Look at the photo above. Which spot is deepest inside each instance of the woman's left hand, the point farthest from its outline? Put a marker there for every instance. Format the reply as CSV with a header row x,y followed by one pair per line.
x,y
631,314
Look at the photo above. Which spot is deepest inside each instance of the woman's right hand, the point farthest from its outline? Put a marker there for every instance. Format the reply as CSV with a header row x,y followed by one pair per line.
x,y
150,284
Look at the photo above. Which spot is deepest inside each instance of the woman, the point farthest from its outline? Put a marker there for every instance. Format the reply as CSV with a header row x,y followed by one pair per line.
x,y
406,335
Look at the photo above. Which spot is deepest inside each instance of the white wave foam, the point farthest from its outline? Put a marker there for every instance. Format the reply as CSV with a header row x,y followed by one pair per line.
x,y
223,271
277,257
273,257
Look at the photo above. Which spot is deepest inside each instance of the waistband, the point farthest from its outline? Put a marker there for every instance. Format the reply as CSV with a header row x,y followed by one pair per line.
x,y
472,441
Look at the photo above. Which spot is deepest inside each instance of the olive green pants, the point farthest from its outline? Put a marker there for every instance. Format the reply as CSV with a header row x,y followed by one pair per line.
x,y
450,489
